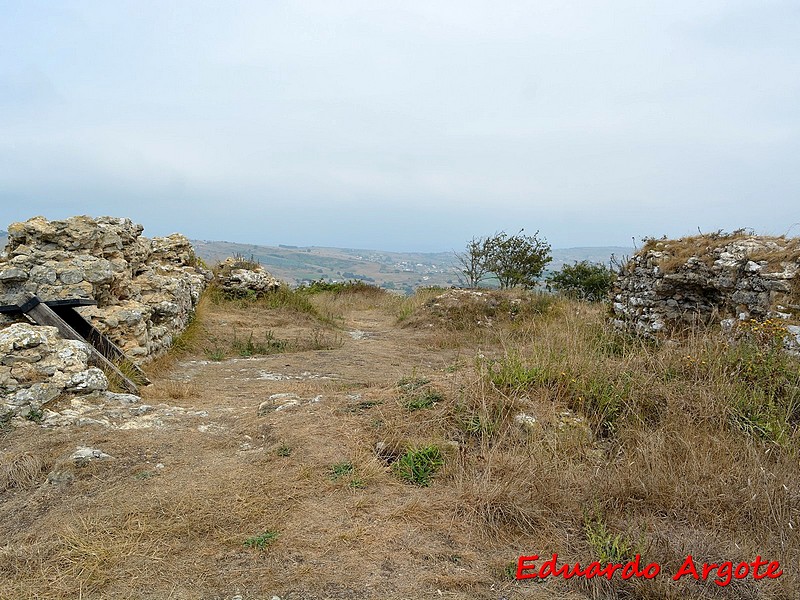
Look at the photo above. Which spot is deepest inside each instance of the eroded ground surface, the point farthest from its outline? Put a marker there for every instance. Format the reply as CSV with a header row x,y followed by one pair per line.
x,y
219,452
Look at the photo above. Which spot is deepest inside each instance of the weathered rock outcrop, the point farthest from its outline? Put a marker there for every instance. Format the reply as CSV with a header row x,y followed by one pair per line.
x,y
241,278
37,366
146,289
709,279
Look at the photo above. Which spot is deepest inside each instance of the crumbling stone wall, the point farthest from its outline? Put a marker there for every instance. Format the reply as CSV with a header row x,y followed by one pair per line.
x,y
712,278
242,278
37,366
146,289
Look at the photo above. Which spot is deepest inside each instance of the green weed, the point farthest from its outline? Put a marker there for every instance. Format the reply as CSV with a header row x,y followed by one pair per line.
x,y
35,414
250,347
603,401
5,421
410,384
510,373
262,540
341,469
424,400
608,548
418,465
216,354
357,483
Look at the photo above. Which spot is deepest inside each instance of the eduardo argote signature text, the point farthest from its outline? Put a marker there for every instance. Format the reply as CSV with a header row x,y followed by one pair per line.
x,y
529,567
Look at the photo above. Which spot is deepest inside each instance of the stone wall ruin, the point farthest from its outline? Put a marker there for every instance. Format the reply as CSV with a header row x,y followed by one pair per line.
x,y
146,289
707,279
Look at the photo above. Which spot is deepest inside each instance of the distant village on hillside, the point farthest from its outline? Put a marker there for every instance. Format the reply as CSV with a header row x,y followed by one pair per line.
x,y
400,271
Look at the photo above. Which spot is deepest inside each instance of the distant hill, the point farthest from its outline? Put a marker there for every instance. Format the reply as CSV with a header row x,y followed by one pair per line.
x,y
403,271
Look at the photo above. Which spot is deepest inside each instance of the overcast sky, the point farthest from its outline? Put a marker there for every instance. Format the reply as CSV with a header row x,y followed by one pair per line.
x,y
403,125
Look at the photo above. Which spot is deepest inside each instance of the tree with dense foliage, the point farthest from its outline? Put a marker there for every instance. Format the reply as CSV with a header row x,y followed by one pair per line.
x,y
518,260
515,260
583,280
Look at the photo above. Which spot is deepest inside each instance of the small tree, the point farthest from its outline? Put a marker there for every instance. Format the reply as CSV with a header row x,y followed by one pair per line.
x,y
583,280
474,261
518,260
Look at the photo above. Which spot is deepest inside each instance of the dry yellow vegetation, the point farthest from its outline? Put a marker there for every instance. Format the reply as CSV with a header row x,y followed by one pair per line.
x,y
415,452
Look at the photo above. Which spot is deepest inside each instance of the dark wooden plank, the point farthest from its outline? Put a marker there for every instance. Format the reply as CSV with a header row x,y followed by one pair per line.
x,y
44,315
96,338
71,302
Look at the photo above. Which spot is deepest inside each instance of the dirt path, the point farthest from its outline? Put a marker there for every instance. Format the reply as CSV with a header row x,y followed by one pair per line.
x,y
222,452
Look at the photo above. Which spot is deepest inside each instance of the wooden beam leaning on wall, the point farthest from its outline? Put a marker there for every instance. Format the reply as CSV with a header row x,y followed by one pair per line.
x,y
41,314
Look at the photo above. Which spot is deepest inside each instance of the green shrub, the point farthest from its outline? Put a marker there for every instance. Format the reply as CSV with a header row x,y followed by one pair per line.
x,y
418,465
339,287
583,281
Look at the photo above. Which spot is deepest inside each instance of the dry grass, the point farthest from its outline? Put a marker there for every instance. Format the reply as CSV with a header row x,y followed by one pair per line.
x,y
19,470
673,449
677,252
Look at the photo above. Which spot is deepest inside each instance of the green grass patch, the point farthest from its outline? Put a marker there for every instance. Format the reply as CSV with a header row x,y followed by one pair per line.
x,y
262,540
424,400
353,286
36,415
410,384
341,469
607,547
250,347
418,465
512,374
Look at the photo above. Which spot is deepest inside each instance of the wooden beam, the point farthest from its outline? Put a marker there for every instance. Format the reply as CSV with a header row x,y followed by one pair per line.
x,y
102,343
44,315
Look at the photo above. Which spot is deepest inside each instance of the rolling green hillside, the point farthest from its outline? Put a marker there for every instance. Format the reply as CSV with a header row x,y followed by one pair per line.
x,y
403,271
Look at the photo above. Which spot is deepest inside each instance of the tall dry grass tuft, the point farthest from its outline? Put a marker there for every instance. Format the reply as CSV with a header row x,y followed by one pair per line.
x,y
19,470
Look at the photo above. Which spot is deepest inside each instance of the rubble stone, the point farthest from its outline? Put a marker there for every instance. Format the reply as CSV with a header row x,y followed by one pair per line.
x,y
715,278
240,278
146,289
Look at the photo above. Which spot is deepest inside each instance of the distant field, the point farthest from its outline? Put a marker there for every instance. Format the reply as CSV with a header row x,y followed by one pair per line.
x,y
404,271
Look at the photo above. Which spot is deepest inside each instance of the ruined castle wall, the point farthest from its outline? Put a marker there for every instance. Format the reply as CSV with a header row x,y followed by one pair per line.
x,y
146,289
709,279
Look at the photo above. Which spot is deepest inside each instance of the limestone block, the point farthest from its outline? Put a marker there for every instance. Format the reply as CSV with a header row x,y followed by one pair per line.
x,y
12,274
92,379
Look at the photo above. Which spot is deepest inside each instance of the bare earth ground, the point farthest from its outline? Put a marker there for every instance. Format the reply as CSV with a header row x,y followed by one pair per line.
x,y
240,477
195,476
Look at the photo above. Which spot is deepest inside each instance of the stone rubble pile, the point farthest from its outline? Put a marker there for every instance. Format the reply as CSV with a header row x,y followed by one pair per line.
x,y
707,279
146,289
240,278
37,366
